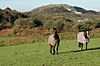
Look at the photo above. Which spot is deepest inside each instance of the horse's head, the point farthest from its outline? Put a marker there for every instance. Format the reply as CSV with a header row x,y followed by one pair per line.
x,y
54,30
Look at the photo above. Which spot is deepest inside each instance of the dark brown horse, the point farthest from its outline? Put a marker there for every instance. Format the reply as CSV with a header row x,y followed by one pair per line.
x,y
54,41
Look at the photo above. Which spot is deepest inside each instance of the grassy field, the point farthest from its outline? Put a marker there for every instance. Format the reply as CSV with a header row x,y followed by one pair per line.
x,y
37,54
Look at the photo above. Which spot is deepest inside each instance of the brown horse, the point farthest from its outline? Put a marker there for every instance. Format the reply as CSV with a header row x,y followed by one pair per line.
x,y
83,38
54,41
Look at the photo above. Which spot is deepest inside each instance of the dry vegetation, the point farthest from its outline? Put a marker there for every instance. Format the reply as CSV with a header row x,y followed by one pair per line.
x,y
36,35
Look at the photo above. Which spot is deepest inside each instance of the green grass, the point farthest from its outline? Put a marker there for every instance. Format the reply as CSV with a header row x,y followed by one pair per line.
x,y
7,38
37,54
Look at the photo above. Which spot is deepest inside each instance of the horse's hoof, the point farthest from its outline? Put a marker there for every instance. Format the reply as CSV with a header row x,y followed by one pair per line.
x,y
53,54
79,49
50,52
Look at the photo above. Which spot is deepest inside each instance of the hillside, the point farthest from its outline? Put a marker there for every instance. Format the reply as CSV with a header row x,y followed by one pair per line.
x,y
62,8
72,12
47,13
8,16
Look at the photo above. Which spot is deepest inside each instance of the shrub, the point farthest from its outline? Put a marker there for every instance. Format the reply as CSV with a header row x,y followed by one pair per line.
x,y
97,25
68,25
37,23
27,23
84,25
49,24
59,25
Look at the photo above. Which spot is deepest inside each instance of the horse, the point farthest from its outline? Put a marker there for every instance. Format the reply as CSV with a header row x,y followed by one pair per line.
x,y
83,38
54,41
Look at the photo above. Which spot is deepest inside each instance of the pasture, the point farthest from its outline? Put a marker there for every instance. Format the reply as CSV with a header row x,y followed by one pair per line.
x,y
37,54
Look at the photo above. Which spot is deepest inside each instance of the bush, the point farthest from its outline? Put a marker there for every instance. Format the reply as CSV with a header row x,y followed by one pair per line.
x,y
37,23
59,25
84,25
97,25
1,25
68,25
49,24
27,23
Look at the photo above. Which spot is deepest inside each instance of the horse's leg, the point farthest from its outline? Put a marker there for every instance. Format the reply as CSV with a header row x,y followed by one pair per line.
x,y
81,45
57,49
86,45
51,49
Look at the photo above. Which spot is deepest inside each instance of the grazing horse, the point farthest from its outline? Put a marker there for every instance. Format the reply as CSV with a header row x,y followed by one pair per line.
x,y
83,38
54,41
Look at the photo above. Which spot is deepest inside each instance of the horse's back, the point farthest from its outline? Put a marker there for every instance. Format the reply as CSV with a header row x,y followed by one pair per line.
x,y
81,37
52,40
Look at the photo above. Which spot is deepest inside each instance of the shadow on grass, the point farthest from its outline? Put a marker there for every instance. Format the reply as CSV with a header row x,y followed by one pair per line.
x,y
89,49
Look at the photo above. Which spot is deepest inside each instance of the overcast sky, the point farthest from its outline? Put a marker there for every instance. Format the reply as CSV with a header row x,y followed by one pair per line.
x,y
27,5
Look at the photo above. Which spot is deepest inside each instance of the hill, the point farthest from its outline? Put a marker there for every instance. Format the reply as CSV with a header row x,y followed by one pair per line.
x,y
8,16
44,14
61,8
64,13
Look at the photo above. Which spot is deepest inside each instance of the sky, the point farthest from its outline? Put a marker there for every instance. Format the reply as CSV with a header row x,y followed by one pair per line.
x,y
28,5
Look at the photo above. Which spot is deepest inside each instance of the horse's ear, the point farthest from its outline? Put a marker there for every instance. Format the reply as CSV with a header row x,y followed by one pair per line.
x,y
54,28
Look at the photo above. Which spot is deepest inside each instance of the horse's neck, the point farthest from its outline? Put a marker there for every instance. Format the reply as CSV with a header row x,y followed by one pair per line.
x,y
55,35
86,34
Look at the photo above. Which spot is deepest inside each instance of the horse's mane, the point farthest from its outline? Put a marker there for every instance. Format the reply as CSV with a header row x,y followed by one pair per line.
x,y
56,36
